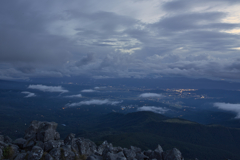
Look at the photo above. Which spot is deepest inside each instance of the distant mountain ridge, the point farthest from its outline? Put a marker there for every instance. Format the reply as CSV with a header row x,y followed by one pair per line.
x,y
146,129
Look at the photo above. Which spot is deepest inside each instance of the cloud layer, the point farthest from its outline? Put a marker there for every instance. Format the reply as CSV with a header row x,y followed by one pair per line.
x,y
29,94
229,107
74,96
159,110
48,88
88,90
130,38
151,95
94,102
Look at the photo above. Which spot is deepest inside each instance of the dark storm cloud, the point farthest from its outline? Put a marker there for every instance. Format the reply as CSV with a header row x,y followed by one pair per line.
x,y
183,5
85,60
112,39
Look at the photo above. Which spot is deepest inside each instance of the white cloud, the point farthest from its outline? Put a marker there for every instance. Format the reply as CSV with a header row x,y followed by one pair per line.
x,y
99,87
29,94
159,110
88,90
94,102
48,88
74,96
151,95
229,107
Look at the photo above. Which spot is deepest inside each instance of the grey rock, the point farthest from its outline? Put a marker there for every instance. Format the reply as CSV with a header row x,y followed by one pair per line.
x,y
20,142
57,136
7,139
95,157
148,153
53,144
67,153
46,131
40,144
69,139
104,145
156,154
23,151
36,153
173,154
55,153
48,157
29,144
21,156
115,156
1,153
129,154
42,131
13,151
1,138
141,156
3,145
136,149
84,146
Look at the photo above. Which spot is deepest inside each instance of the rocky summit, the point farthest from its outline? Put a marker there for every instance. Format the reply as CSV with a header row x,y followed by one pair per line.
x,y
42,142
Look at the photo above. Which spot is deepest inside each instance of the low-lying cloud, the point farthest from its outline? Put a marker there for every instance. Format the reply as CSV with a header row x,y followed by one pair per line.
x,y
229,107
48,88
159,110
99,87
74,96
88,90
151,95
29,94
94,102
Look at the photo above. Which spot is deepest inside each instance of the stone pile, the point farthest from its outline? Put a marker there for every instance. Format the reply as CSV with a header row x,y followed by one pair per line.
x,y
42,142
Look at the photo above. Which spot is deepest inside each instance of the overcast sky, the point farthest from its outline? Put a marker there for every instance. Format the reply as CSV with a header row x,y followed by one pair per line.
x,y
120,38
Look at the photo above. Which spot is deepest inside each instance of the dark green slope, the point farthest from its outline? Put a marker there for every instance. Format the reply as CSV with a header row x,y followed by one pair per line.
x,y
147,129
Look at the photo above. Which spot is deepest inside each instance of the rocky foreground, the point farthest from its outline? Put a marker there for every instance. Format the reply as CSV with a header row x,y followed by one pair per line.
x,y
42,142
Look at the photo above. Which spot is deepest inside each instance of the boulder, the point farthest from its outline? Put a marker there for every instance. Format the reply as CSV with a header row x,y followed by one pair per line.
x,y
2,145
129,154
83,146
7,139
21,156
1,138
55,153
136,149
95,157
42,131
101,148
67,153
69,139
57,136
173,154
29,144
40,144
156,154
48,157
11,151
20,142
114,156
53,144
1,153
141,156
36,153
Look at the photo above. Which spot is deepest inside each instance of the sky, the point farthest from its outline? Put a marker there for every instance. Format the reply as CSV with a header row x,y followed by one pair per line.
x,y
120,39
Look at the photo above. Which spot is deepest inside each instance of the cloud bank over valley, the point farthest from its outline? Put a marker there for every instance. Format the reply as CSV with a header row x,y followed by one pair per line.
x,y
94,102
159,110
151,95
45,88
29,94
229,107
